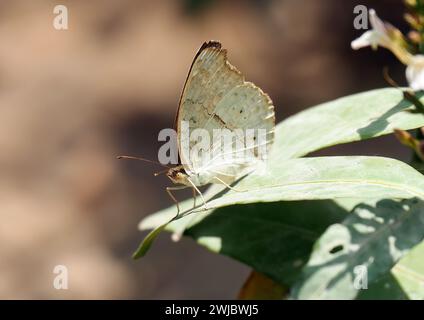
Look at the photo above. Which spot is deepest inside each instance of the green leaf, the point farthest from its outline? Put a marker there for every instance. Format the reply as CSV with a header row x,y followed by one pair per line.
x,y
148,241
325,178
352,118
405,281
409,273
273,238
372,238
385,288
313,179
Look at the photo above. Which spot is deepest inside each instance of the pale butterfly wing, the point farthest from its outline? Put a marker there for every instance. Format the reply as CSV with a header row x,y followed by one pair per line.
x,y
216,96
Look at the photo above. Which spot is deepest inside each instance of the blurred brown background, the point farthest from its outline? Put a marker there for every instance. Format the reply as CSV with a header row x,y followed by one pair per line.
x,y
70,101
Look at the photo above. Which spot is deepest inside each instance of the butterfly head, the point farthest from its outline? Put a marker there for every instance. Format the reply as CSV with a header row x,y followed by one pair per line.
x,y
178,175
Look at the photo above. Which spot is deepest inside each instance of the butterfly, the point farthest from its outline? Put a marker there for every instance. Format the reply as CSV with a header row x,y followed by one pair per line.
x,y
216,96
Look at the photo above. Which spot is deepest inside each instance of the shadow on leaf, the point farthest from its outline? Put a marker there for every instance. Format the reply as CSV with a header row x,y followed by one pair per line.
x,y
381,123
372,237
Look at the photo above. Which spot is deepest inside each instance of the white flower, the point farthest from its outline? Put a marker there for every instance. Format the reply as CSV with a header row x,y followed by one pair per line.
x,y
384,35
415,72
375,37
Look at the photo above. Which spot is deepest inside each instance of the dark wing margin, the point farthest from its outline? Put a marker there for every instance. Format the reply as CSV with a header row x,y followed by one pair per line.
x,y
209,44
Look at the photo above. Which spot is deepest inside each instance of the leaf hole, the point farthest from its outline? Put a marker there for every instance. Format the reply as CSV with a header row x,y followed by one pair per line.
x,y
336,249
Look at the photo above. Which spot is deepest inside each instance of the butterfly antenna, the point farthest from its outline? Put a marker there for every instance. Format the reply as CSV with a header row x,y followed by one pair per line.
x,y
142,159
160,172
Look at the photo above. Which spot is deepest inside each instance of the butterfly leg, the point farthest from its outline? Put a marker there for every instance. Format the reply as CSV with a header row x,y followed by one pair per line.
x,y
227,185
198,191
169,189
176,236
